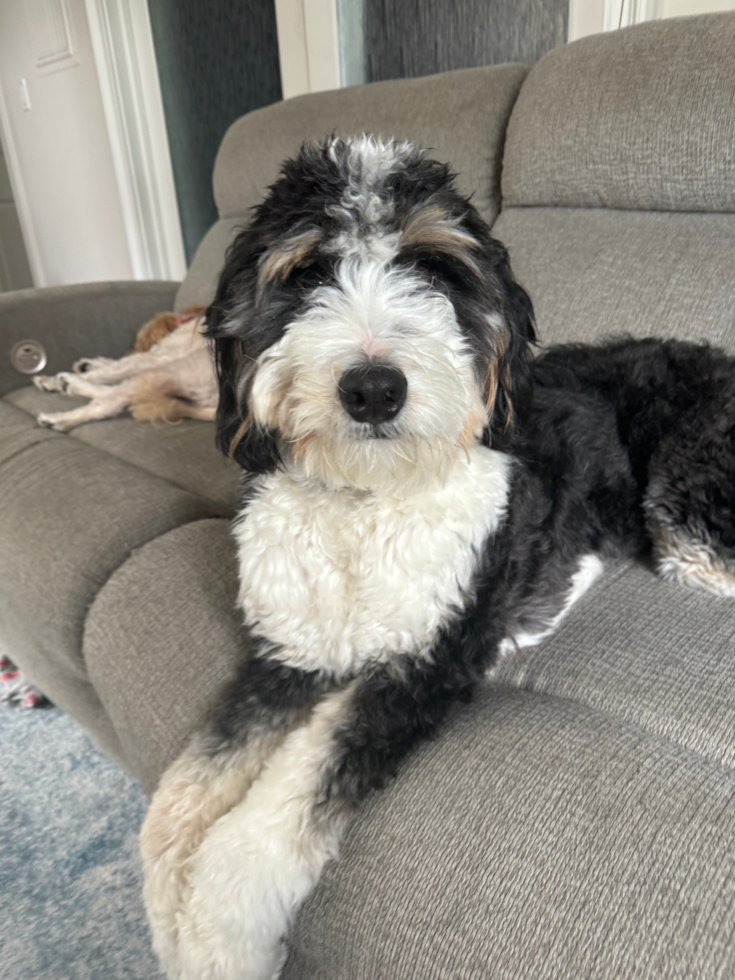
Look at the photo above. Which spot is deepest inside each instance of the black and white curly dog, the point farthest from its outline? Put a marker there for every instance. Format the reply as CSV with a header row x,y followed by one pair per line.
x,y
420,496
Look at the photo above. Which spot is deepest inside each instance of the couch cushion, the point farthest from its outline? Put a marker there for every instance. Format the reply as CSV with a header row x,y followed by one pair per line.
x,y
70,515
537,838
17,431
183,453
640,118
596,272
651,652
161,638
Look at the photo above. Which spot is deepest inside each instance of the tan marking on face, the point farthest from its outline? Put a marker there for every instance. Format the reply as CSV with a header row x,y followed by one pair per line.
x,y
241,430
472,429
289,255
498,377
302,446
491,385
506,383
433,228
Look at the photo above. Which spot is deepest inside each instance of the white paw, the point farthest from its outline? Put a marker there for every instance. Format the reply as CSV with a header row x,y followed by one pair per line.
x,y
46,382
241,903
61,383
55,420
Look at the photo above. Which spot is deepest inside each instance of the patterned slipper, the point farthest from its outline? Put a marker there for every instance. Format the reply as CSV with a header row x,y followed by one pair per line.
x,y
15,688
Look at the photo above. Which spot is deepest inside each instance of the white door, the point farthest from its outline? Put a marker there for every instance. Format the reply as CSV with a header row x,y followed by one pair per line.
x,y
69,200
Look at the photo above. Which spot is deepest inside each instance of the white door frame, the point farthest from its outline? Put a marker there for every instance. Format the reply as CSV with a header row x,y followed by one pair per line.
x,y
122,41
20,196
594,16
308,46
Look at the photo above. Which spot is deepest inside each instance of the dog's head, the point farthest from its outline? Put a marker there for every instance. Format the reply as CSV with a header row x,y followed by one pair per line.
x,y
367,327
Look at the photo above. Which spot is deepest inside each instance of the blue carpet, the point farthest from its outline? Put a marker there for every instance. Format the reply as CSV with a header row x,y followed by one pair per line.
x,y
70,873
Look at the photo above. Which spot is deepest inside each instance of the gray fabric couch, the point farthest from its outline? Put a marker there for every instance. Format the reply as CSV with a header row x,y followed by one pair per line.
x,y
578,819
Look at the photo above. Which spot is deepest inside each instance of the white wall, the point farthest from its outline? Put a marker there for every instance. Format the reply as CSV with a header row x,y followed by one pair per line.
x,y
593,16
685,8
308,46
68,201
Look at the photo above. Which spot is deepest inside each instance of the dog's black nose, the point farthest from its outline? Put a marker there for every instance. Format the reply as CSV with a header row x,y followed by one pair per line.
x,y
373,393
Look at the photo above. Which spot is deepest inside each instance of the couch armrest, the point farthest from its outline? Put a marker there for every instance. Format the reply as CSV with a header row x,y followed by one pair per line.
x,y
92,319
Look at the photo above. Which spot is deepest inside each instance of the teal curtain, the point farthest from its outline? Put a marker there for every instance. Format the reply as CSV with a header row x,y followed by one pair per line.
x,y
217,59
407,38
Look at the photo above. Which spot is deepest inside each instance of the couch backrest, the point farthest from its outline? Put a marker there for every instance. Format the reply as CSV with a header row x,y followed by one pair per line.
x,y
619,183
462,115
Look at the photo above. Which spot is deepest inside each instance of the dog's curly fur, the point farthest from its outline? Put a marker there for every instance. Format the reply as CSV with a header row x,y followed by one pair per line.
x,y
389,554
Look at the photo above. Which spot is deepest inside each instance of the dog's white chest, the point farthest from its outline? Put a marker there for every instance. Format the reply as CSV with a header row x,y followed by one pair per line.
x,y
335,579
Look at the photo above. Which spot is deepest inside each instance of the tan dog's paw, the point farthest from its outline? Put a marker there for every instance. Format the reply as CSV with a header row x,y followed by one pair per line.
x,y
54,420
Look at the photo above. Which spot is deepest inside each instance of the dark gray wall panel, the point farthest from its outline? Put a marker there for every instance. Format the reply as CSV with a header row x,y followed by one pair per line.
x,y
216,61
407,38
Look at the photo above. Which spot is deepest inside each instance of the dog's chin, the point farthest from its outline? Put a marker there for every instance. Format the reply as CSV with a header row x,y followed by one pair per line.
x,y
378,463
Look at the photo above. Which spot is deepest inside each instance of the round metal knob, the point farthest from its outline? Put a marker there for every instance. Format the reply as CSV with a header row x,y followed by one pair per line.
x,y
28,357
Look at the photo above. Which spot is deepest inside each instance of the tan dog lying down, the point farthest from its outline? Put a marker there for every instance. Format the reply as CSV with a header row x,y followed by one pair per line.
x,y
169,376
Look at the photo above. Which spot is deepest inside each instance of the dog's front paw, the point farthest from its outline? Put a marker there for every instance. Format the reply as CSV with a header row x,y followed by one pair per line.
x,y
57,421
57,382
46,382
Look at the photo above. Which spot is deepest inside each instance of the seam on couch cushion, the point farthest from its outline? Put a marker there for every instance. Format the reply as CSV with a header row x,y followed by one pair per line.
x,y
223,510
222,473
661,738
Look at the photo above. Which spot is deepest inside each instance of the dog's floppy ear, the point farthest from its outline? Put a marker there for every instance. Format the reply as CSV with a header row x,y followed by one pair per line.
x,y
248,443
513,355
495,312
513,334
237,435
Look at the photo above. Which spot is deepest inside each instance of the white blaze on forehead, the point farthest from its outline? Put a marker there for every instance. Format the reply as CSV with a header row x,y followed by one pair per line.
x,y
364,203
370,162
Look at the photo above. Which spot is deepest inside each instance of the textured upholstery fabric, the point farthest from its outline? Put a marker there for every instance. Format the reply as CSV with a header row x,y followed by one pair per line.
x,y
18,432
462,115
653,653
594,272
201,279
77,321
537,838
184,453
161,638
70,515
635,119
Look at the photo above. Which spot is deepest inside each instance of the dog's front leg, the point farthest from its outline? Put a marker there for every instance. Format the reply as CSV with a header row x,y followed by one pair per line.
x,y
107,371
210,777
259,862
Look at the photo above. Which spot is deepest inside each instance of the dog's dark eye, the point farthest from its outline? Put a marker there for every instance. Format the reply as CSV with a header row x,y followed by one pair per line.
x,y
439,269
310,276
